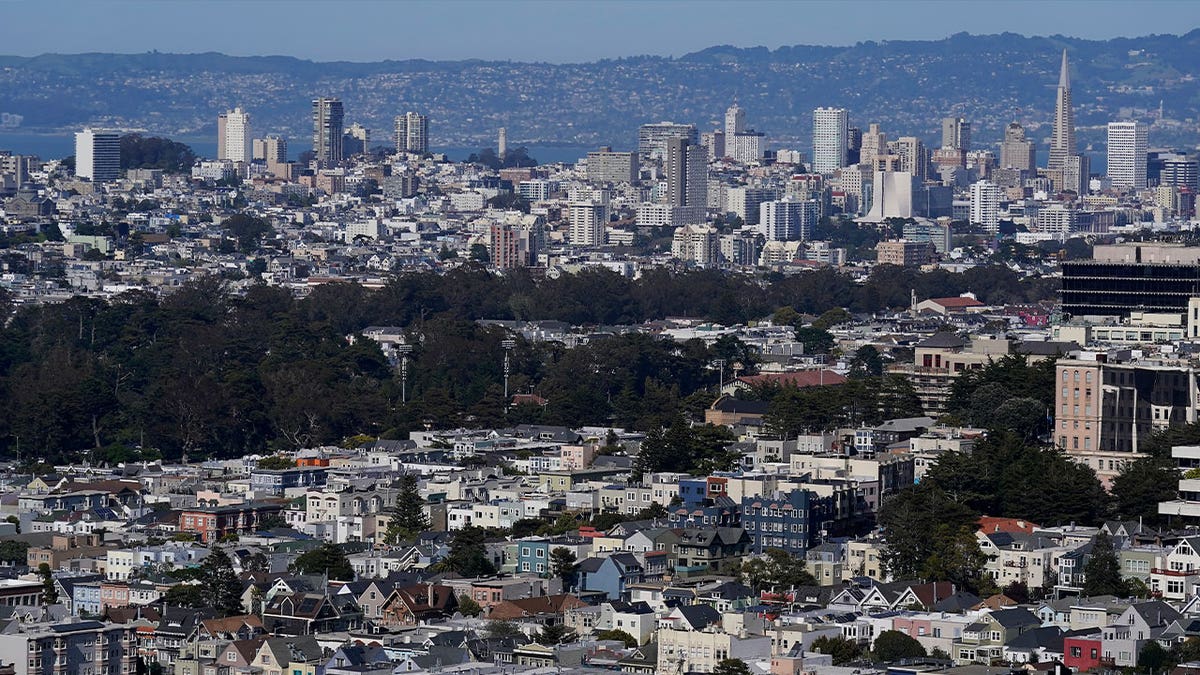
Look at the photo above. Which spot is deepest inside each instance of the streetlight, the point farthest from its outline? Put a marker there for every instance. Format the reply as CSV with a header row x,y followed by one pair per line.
x,y
508,347
720,365
404,350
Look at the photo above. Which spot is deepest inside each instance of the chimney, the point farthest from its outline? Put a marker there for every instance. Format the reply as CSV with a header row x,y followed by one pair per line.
x,y
430,592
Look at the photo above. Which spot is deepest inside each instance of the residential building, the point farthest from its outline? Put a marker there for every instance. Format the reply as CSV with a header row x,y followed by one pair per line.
x,y
652,138
79,647
606,166
904,253
985,206
234,139
327,117
788,219
830,130
97,155
687,173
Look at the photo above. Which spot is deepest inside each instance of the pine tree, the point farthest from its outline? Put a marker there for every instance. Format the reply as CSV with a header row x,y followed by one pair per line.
x,y
1102,571
219,584
408,517
564,566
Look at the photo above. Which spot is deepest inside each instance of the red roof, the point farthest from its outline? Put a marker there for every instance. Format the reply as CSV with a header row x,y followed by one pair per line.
x,y
957,302
990,524
800,379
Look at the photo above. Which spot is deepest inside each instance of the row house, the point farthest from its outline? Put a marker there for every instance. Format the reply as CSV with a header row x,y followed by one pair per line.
x,y
1180,578
1142,623
211,524
983,641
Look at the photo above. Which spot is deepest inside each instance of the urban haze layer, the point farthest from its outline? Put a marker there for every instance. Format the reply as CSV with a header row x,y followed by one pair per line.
x,y
816,361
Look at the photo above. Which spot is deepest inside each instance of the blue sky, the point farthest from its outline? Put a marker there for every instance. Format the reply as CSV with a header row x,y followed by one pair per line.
x,y
558,31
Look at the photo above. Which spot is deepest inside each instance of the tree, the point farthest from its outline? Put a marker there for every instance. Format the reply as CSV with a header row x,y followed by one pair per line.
x,y
502,629
815,340
892,645
555,634
777,569
468,607
49,592
956,557
564,565
1141,485
866,362
327,559
616,634
408,516
468,554
480,254
14,552
1153,657
276,462
184,595
906,517
731,667
220,587
1102,571
841,649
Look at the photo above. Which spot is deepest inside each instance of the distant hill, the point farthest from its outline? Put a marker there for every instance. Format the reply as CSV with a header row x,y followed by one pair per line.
x,y
904,85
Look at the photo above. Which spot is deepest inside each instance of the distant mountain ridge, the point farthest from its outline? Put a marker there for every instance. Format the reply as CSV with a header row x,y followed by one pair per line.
x,y
906,86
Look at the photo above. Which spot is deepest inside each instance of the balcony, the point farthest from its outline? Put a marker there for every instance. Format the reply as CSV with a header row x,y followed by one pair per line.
x,y
1174,573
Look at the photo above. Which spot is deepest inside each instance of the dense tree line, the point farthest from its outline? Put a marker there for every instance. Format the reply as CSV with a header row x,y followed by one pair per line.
x,y
153,152
203,372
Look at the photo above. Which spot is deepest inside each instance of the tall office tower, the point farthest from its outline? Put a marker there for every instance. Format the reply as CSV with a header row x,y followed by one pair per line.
x,y
788,219
735,121
502,143
327,130
1017,152
234,142
652,138
715,142
1075,174
1127,148
854,138
97,154
956,133
830,129
1180,171
873,144
1062,143
357,141
985,206
416,133
687,173
913,156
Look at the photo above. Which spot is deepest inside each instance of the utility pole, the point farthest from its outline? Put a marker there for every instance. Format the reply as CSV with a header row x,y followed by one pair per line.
x,y
404,350
508,345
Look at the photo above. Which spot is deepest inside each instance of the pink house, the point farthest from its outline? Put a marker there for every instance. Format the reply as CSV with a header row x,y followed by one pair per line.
x,y
576,457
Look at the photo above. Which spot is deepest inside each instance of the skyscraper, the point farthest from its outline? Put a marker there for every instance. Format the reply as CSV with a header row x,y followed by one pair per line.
x,y
735,121
1127,148
327,130
234,142
1062,143
956,133
357,140
1017,152
687,173
830,128
418,132
97,155
914,158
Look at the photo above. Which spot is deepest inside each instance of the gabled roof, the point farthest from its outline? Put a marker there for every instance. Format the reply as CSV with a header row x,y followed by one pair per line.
x,y
541,605
1015,617
943,340
698,616
1045,637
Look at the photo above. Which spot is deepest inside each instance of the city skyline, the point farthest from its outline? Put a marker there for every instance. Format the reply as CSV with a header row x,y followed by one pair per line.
x,y
476,30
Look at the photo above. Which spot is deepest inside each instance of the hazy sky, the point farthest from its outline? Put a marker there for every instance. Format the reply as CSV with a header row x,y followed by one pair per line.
x,y
558,31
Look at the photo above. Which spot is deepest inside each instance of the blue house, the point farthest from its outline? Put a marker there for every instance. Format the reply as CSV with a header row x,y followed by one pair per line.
x,y
719,512
611,575
85,597
533,555
693,491
791,521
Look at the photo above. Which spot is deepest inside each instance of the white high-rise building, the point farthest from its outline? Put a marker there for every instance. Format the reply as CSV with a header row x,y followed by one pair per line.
x,y
985,206
235,142
830,129
412,133
735,121
788,219
1127,148
587,220
97,155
